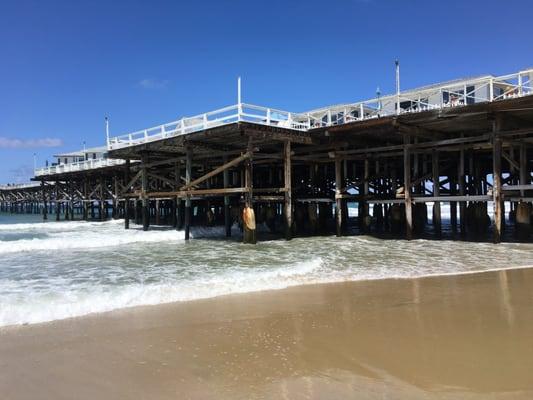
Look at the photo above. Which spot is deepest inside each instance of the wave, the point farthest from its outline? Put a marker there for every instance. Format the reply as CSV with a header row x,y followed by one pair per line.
x,y
57,225
89,240
70,303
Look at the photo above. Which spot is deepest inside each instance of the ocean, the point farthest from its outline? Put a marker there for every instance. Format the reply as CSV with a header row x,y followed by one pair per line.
x,y
55,270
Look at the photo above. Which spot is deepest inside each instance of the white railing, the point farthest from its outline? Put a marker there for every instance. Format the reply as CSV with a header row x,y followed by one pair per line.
x,y
16,186
235,113
78,166
452,94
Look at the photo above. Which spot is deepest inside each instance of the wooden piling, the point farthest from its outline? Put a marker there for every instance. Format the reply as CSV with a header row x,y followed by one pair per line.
x,y
102,198
188,173
144,189
249,225
462,183
43,193
227,211
58,210
407,188
126,199
437,222
287,208
497,184
338,198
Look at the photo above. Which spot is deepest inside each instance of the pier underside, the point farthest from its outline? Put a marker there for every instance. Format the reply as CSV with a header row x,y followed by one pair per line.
x,y
474,159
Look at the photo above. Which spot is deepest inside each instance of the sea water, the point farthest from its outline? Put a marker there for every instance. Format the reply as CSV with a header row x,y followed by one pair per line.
x,y
57,270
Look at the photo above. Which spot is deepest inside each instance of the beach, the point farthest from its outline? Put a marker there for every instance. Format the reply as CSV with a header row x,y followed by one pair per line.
x,y
467,336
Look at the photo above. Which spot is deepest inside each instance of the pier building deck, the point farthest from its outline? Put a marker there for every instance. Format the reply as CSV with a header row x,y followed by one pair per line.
x,y
465,142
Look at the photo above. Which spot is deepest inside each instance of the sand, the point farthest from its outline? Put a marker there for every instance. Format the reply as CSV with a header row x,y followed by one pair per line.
x,y
449,337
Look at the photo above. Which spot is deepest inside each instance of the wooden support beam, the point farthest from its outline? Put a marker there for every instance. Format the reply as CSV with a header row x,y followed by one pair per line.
x,y
462,183
176,200
126,199
288,189
432,199
145,213
249,231
338,199
437,224
58,211
188,173
43,194
523,170
300,137
197,193
227,210
169,182
497,176
407,188
101,198
218,170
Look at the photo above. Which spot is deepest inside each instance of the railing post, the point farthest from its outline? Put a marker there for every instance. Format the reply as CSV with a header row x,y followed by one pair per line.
x,y
520,84
163,133
491,89
130,138
145,134
268,116
361,111
289,118
183,126
205,121
329,117
239,111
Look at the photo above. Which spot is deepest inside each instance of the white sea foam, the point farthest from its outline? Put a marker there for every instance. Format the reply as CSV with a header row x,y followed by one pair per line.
x,y
72,302
57,225
53,273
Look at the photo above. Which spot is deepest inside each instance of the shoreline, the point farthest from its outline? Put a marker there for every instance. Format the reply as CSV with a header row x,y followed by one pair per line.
x,y
439,337
143,306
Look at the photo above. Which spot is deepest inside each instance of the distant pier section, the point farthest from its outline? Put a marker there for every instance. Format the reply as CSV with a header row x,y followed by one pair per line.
x,y
464,143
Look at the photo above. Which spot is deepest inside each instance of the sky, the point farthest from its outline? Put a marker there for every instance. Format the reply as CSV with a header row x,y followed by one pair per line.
x,y
65,65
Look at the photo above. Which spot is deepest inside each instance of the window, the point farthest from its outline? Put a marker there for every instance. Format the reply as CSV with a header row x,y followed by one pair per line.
x,y
470,94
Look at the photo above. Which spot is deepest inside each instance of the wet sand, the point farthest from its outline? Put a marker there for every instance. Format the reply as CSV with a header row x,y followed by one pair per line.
x,y
449,337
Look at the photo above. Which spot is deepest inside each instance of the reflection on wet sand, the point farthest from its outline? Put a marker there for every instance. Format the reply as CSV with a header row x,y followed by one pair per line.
x,y
467,336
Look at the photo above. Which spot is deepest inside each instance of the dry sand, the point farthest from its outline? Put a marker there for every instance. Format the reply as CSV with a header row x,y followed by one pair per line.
x,y
450,337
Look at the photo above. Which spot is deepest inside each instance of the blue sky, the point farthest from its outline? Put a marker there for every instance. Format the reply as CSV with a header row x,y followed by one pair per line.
x,y
64,65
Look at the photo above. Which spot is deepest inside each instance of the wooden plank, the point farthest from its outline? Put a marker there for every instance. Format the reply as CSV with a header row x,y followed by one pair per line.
x,y
431,199
516,187
270,190
198,192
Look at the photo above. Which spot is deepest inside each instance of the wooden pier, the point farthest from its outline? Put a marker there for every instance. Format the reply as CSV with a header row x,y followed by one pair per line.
x,y
296,181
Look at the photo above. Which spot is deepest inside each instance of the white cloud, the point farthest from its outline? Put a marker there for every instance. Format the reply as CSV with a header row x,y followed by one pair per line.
x,y
12,143
153,83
